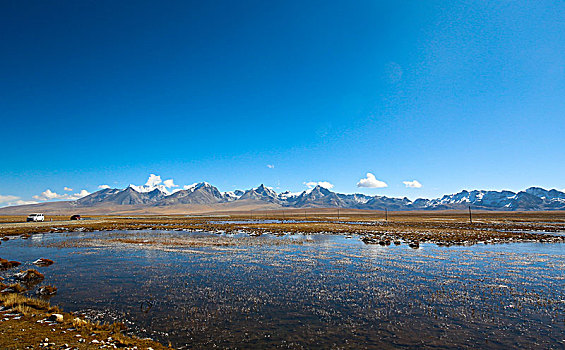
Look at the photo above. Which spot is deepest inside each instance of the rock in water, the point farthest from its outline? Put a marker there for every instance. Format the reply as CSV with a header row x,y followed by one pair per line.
x,y
29,276
43,262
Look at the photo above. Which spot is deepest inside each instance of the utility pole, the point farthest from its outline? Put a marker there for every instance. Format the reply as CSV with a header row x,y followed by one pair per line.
x,y
386,215
304,214
470,216
337,214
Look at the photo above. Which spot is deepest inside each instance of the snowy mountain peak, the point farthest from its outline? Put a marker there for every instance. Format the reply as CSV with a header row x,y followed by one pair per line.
x,y
545,194
286,195
262,189
262,193
148,188
197,185
231,196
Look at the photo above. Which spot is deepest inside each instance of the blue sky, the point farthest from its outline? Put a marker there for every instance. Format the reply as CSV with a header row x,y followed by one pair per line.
x,y
453,94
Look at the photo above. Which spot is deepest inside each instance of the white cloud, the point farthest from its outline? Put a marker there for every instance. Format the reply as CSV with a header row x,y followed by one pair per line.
x,y
412,184
68,189
22,202
169,183
82,193
49,195
324,184
371,182
103,187
270,166
153,180
8,200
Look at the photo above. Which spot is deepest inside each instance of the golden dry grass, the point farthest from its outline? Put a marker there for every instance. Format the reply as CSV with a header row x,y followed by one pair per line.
x,y
13,288
445,226
8,264
25,305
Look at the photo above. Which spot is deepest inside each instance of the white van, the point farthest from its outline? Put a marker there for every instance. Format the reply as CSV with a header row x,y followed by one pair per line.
x,y
35,217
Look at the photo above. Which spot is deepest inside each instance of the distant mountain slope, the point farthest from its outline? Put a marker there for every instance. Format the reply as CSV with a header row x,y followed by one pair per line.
x,y
318,197
382,203
129,196
97,197
534,198
204,195
201,193
261,193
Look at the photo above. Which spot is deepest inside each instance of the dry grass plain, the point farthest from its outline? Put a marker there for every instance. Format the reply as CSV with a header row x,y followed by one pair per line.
x,y
441,227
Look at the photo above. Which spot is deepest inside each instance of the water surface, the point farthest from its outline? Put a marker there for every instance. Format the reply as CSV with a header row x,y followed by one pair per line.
x,y
308,291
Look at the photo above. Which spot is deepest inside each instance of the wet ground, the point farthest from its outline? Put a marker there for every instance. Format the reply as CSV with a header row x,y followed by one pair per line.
x,y
199,290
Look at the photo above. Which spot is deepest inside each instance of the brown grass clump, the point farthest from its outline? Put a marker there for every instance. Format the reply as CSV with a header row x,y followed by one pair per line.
x,y
6,264
30,275
93,327
46,290
25,305
115,329
12,288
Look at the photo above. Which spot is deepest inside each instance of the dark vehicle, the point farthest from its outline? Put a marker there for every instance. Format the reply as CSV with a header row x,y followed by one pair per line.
x,y
76,217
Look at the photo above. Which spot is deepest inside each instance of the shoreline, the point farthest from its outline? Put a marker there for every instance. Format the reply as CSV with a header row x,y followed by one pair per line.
x,y
31,322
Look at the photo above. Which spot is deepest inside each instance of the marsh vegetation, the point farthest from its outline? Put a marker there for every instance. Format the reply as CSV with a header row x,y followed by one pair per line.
x,y
355,282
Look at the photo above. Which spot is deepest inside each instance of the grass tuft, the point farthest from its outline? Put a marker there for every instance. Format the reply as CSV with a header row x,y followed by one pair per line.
x,y
12,288
25,305
7,264
46,290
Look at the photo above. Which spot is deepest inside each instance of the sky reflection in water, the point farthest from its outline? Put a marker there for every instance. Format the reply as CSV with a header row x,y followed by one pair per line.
x,y
315,291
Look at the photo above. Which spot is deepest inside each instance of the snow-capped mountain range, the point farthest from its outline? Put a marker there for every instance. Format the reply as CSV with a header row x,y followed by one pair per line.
x,y
533,198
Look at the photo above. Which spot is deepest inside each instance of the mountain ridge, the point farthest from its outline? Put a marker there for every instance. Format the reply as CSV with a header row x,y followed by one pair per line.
x,y
207,195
